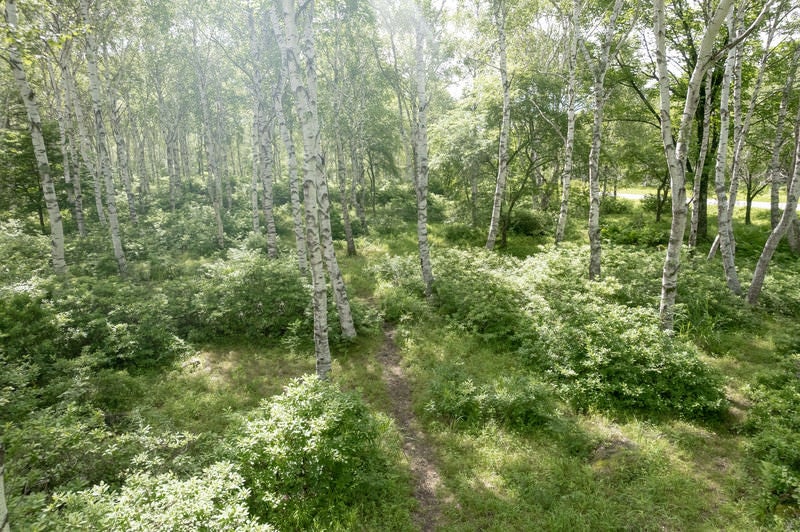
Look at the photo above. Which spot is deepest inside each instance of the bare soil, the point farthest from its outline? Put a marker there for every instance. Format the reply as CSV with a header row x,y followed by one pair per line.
x,y
420,454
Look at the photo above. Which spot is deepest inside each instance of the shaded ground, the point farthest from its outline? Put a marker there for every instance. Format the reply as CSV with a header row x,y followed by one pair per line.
x,y
415,446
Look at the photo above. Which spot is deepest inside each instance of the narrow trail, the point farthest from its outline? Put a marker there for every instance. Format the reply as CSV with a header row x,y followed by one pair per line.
x,y
415,446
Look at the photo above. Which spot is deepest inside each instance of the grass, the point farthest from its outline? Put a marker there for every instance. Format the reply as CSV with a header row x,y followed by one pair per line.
x,y
574,471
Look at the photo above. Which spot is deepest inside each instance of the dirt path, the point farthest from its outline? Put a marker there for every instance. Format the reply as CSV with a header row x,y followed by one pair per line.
x,y
420,455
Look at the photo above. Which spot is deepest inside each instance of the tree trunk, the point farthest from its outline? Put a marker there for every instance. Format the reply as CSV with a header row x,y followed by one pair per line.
x,y
787,218
777,144
266,169
291,163
421,161
357,186
724,230
570,141
4,525
39,148
102,146
255,213
505,125
123,159
676,152
84,144
701,164
595,245
72,180
313,165
214,179
341,173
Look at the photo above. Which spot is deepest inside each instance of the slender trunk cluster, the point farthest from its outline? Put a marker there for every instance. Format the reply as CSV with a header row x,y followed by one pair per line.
x,y
505,125
570,140
123,159
787,218
777,143
102,142
39,148
676,151
724,219
701,162
421,159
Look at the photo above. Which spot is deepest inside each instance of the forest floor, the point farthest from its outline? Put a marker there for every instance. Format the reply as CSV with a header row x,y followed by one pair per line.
x,y
416,447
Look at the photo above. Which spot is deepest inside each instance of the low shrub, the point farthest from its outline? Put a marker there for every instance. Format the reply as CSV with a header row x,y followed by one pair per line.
x,y
212,500
531,223
612,205
775,446
518,402
248,295
309,453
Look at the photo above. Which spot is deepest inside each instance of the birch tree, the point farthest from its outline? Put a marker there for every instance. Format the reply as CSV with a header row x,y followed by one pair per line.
x,y
599,67
102,139
569,143
676,151
420,135
4,525
787,218
39,148
723,217
499,13
287,35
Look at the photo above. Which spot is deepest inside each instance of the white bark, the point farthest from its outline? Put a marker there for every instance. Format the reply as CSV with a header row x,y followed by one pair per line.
x,y
102,146
4,525
84,144
701,162
505,125
723,217
777,144
787,218
676,151
291,163
421,160
123,158
341,174
265,171
68,155
323,197
39,148
312,166
214,179
570,141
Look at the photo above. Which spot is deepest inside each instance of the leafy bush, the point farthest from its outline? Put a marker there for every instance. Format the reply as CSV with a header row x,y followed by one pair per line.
x,y
213,500
462,234
636,234
309,453
612,205
249,295
25,253
775,419
531,223
517,402
471,291
650,204
613,357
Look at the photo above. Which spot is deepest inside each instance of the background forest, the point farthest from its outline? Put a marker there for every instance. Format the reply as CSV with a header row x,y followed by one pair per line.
x,y
349,264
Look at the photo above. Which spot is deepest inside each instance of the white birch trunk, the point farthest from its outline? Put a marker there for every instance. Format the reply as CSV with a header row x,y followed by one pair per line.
x,y
39,148
84,144
102,146
723,217
676,152
73,181
341,174
701,161
323,197
255,213
312,165
421,161
357,186
570,141
123,159
265,170
291,163
214,179
4,524
777,144
505,125
787,218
